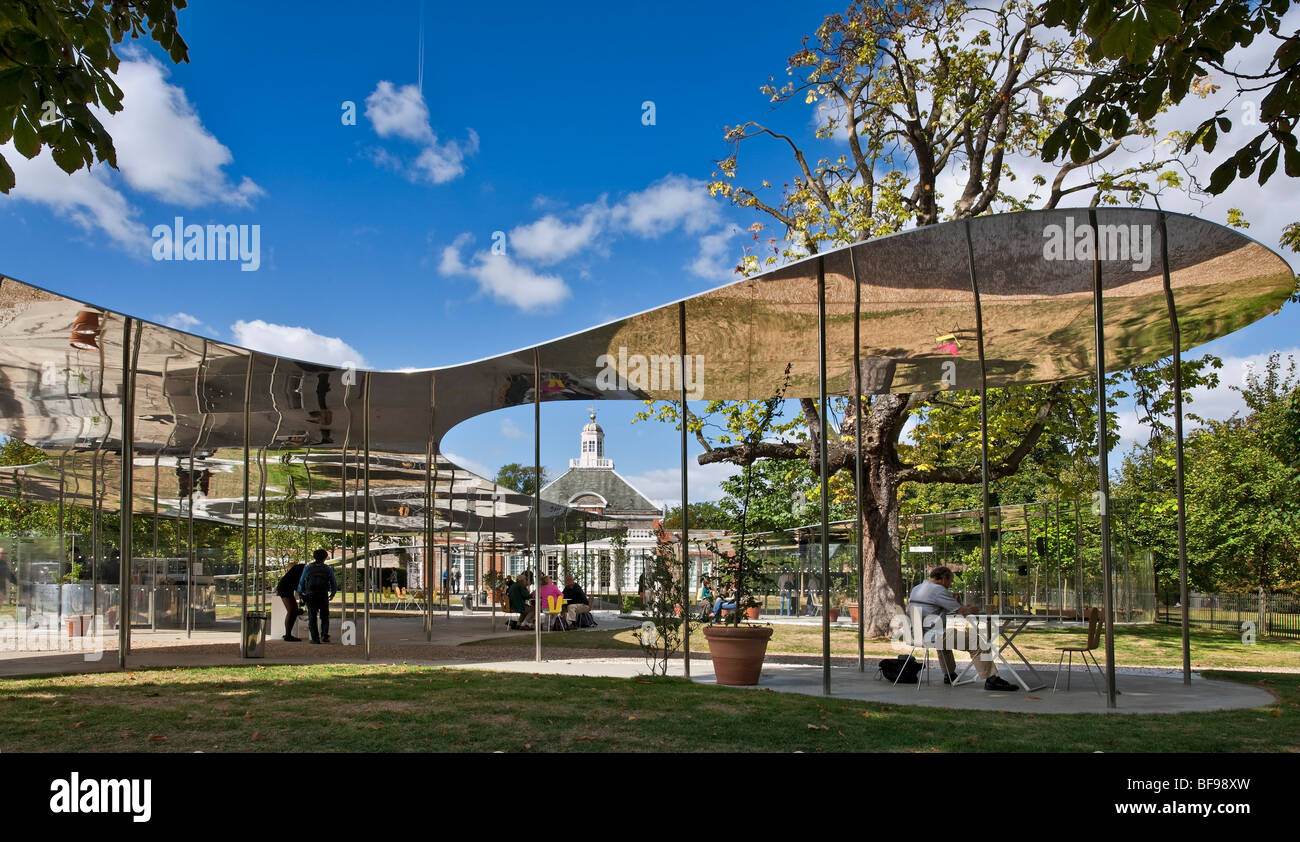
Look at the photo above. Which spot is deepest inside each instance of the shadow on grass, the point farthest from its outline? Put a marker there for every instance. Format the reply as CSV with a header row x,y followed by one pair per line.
x,y
403,708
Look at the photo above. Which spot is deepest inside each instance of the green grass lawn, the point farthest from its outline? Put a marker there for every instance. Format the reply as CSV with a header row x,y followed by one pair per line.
x,y
1144,645
402,708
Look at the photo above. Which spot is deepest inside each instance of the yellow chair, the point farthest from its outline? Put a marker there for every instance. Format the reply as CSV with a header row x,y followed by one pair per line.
x,y
555,610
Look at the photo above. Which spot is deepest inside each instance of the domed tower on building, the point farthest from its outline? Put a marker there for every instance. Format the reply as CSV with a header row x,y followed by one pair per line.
x,y
592,484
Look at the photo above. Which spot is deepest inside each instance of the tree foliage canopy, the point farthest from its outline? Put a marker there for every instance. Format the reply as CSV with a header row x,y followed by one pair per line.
x,y
57,65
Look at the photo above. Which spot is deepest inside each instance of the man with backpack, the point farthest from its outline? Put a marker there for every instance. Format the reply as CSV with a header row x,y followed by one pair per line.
x,y
317,587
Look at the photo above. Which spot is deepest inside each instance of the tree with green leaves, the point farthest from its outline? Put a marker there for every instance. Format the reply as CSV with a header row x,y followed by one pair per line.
x,y
919,93
704,515
57,65
521,478
1243,486
1151,54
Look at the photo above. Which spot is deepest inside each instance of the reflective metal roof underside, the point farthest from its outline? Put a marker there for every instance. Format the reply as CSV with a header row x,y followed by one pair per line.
x,y
918,333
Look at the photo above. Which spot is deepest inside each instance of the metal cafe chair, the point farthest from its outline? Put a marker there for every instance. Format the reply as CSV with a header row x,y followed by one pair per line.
x,y
918,640
1085,652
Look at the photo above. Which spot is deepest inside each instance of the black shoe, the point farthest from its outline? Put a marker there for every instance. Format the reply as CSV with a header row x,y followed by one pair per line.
x,y
325,639
950,679
314,641
291,639
997,683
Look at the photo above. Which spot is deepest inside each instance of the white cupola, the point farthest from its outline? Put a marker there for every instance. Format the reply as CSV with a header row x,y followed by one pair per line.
x,y
593,447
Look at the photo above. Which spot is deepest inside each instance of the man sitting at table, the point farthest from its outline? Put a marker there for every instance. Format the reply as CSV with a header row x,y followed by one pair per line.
x,y
577,601
934,599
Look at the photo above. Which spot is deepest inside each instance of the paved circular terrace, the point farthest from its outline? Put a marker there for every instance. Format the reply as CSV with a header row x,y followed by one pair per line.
x,y
401,640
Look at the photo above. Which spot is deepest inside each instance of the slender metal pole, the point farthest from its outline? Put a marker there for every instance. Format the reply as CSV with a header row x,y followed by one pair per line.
x,y
125,500
537,500
1176,339
432,480
428,520
985,550
492,597
857,464
446,571
243,565
1103,463
365,434
686,553
343,500
822,431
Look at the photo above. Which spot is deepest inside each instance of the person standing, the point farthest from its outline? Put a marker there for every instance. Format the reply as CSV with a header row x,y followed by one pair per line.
x,y
287,590
317,587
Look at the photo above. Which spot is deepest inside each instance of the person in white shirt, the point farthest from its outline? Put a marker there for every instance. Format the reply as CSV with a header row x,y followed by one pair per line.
x,y
933,597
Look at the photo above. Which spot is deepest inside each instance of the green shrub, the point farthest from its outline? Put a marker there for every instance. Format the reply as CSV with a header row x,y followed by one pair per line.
x,y
631,603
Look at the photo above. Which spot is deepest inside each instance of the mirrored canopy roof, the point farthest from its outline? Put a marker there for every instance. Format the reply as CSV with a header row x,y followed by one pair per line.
x,y
61,371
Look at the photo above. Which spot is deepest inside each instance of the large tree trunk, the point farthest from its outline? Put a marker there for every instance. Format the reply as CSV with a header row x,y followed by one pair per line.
x,y
882,568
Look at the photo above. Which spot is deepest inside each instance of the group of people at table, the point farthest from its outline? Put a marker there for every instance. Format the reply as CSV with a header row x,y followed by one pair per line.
x,y
523,600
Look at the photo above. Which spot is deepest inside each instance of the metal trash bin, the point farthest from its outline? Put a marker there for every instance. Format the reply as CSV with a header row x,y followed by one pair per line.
x,y
255,624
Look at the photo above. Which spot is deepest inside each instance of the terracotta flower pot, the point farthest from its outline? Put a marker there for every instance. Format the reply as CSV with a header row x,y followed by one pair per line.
x,y
752,612
855,612
677,611
834,612
737,652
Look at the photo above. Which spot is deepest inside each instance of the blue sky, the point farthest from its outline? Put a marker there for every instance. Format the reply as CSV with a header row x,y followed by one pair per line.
x,y
530,122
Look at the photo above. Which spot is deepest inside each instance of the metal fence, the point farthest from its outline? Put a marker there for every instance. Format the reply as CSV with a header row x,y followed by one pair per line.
x,y
1273,614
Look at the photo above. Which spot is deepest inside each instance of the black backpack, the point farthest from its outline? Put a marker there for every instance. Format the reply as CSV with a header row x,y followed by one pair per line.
x,y
317,580
901,670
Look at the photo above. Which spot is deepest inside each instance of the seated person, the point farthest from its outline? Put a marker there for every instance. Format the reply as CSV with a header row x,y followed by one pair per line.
x,y
547,592
517,596
577,598
706,598
719,604
934,598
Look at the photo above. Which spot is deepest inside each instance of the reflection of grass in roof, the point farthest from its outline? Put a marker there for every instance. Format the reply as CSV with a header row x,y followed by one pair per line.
x,y
378,708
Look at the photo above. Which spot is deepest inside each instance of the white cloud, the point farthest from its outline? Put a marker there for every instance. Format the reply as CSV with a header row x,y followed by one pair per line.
x,y
403,113
84,197
549,239
718,257
673,201
505,280
297,343
163,148
510,429
664,485
399,112
163,151
186,322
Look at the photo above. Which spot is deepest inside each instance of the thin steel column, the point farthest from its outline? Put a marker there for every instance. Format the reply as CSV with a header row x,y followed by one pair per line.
x,y
365,434
822,429
428,526
346,383
984,418
125,507
537,500
857,465
1176,337
446,573
243,565
492,597
431,495
1103,463
686,553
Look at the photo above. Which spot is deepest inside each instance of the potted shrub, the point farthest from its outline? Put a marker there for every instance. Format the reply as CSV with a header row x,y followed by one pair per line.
x,y
737,648
662,632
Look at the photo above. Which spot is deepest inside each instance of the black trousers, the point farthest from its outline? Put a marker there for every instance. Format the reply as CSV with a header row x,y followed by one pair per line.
x,y
318,606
